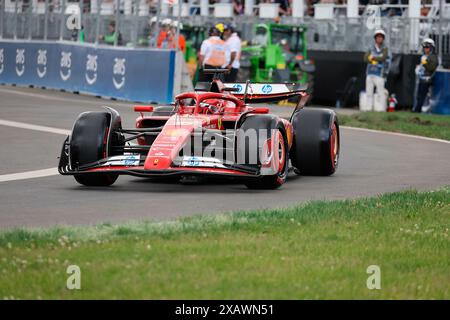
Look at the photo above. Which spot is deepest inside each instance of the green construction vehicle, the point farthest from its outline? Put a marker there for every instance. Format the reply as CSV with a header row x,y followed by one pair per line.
x,y
277,53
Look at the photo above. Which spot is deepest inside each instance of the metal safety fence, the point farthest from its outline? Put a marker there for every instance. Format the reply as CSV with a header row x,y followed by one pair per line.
x,y
137,22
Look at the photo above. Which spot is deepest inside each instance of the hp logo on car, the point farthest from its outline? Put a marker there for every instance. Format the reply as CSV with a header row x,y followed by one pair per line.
x,y
267,88
238,86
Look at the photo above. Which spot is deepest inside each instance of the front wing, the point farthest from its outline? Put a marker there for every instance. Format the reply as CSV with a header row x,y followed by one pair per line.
x,y
133,164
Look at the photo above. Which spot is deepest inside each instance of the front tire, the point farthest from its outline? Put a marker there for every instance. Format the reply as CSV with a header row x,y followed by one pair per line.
x,y
93,136
277,180
279,148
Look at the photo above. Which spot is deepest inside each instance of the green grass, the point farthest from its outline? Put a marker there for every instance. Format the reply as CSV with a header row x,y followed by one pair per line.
x,y
315,250
428,125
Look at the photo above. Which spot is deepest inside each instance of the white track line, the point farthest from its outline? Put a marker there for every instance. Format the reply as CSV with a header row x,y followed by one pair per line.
x,y
34,127
30,94
29,174
69,99
35,173
398,134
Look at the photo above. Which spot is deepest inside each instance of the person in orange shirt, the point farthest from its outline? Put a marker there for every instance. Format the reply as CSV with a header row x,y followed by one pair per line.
x,y
214,54
181,39
163,36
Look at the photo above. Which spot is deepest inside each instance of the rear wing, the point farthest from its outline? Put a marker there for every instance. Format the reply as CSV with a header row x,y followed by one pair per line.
x,y
266,92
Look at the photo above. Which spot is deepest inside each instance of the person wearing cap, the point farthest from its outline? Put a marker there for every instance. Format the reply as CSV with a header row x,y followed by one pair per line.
x,y
234,44
214,54
164,36
221,27
378,59
169,41
424,73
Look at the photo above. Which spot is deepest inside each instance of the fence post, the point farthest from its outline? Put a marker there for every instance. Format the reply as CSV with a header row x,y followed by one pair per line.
x,y
45,20
352,8
298,8
61,25
30,19
204,8
248,10
180,4
135,6
117,18
414,15
81,23
15,19
158,18
97,23
2,17
441,13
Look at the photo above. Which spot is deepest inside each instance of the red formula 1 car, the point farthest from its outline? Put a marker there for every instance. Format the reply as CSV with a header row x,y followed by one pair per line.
x,y
209,132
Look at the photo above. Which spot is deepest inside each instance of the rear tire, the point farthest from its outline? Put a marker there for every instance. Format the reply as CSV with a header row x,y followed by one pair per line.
x,y
316,142
92,138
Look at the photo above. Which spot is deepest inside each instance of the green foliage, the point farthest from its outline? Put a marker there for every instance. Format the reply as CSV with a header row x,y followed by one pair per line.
x,y
428,125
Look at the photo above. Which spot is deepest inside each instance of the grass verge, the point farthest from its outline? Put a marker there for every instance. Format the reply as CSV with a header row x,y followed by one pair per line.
x,y
314,251
427,125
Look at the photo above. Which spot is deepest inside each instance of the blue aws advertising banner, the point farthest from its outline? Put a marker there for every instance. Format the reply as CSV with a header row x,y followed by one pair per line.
x,y
124,73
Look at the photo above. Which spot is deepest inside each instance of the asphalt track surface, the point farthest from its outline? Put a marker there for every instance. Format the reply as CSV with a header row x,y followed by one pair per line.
x,y
32,127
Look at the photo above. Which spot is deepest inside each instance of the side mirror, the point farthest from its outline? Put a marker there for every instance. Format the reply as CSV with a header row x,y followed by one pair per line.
x,y
143,108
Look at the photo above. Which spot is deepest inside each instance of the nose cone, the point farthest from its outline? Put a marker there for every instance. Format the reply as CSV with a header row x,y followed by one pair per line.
x,y
157,162
166,147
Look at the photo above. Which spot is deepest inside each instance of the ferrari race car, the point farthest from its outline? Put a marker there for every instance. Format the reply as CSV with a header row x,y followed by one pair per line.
x,y
215,131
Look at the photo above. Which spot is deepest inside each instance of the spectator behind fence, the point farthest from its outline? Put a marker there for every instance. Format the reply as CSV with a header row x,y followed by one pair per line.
x,y
284,8
112,35
163,37
238,7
